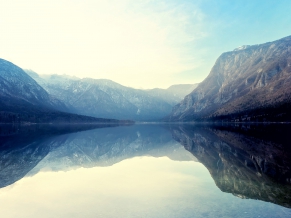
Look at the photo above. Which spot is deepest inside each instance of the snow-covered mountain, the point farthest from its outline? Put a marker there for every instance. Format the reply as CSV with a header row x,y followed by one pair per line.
x,y
249,84
22,99
16,85
107,99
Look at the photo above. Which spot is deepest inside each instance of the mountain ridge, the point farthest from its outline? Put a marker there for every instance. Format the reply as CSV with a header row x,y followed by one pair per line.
x,y
15,83
23,100
105,98
253,81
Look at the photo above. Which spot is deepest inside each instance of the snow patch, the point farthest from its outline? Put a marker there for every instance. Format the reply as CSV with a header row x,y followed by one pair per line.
x,y
242,47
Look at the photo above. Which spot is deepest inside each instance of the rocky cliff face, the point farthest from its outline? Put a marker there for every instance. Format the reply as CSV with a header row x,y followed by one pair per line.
x,y
249,162
242,81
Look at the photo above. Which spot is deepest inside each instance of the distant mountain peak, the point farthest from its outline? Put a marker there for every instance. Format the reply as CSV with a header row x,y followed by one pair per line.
x,y
64,76
100,81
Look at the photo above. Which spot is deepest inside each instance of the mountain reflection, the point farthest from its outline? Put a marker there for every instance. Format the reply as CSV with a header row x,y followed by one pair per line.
x,y
108,146
23,147
28,150
247,161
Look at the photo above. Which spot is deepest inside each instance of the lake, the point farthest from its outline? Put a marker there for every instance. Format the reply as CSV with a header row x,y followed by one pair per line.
x,y
146,170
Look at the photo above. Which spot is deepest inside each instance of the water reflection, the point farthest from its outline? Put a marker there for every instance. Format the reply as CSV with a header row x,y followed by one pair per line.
x,y
108,146
146,170
23,147
247,161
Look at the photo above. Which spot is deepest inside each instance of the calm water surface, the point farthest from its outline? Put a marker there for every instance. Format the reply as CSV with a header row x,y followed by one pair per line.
x,y
145,171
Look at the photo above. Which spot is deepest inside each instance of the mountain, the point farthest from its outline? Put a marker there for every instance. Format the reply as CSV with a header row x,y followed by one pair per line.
x,y
16,85
247,161
22,99
251,83
174,94
107,99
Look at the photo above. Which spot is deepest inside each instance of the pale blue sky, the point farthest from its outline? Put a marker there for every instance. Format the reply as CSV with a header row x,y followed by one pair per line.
x,y
142,44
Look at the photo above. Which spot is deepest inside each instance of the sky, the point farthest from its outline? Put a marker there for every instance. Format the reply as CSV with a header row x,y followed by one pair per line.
x,y
137,43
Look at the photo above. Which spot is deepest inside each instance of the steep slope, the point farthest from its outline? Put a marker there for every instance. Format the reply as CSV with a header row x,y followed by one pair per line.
x,y
250,83
54,84
23,100
105,98
16,84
